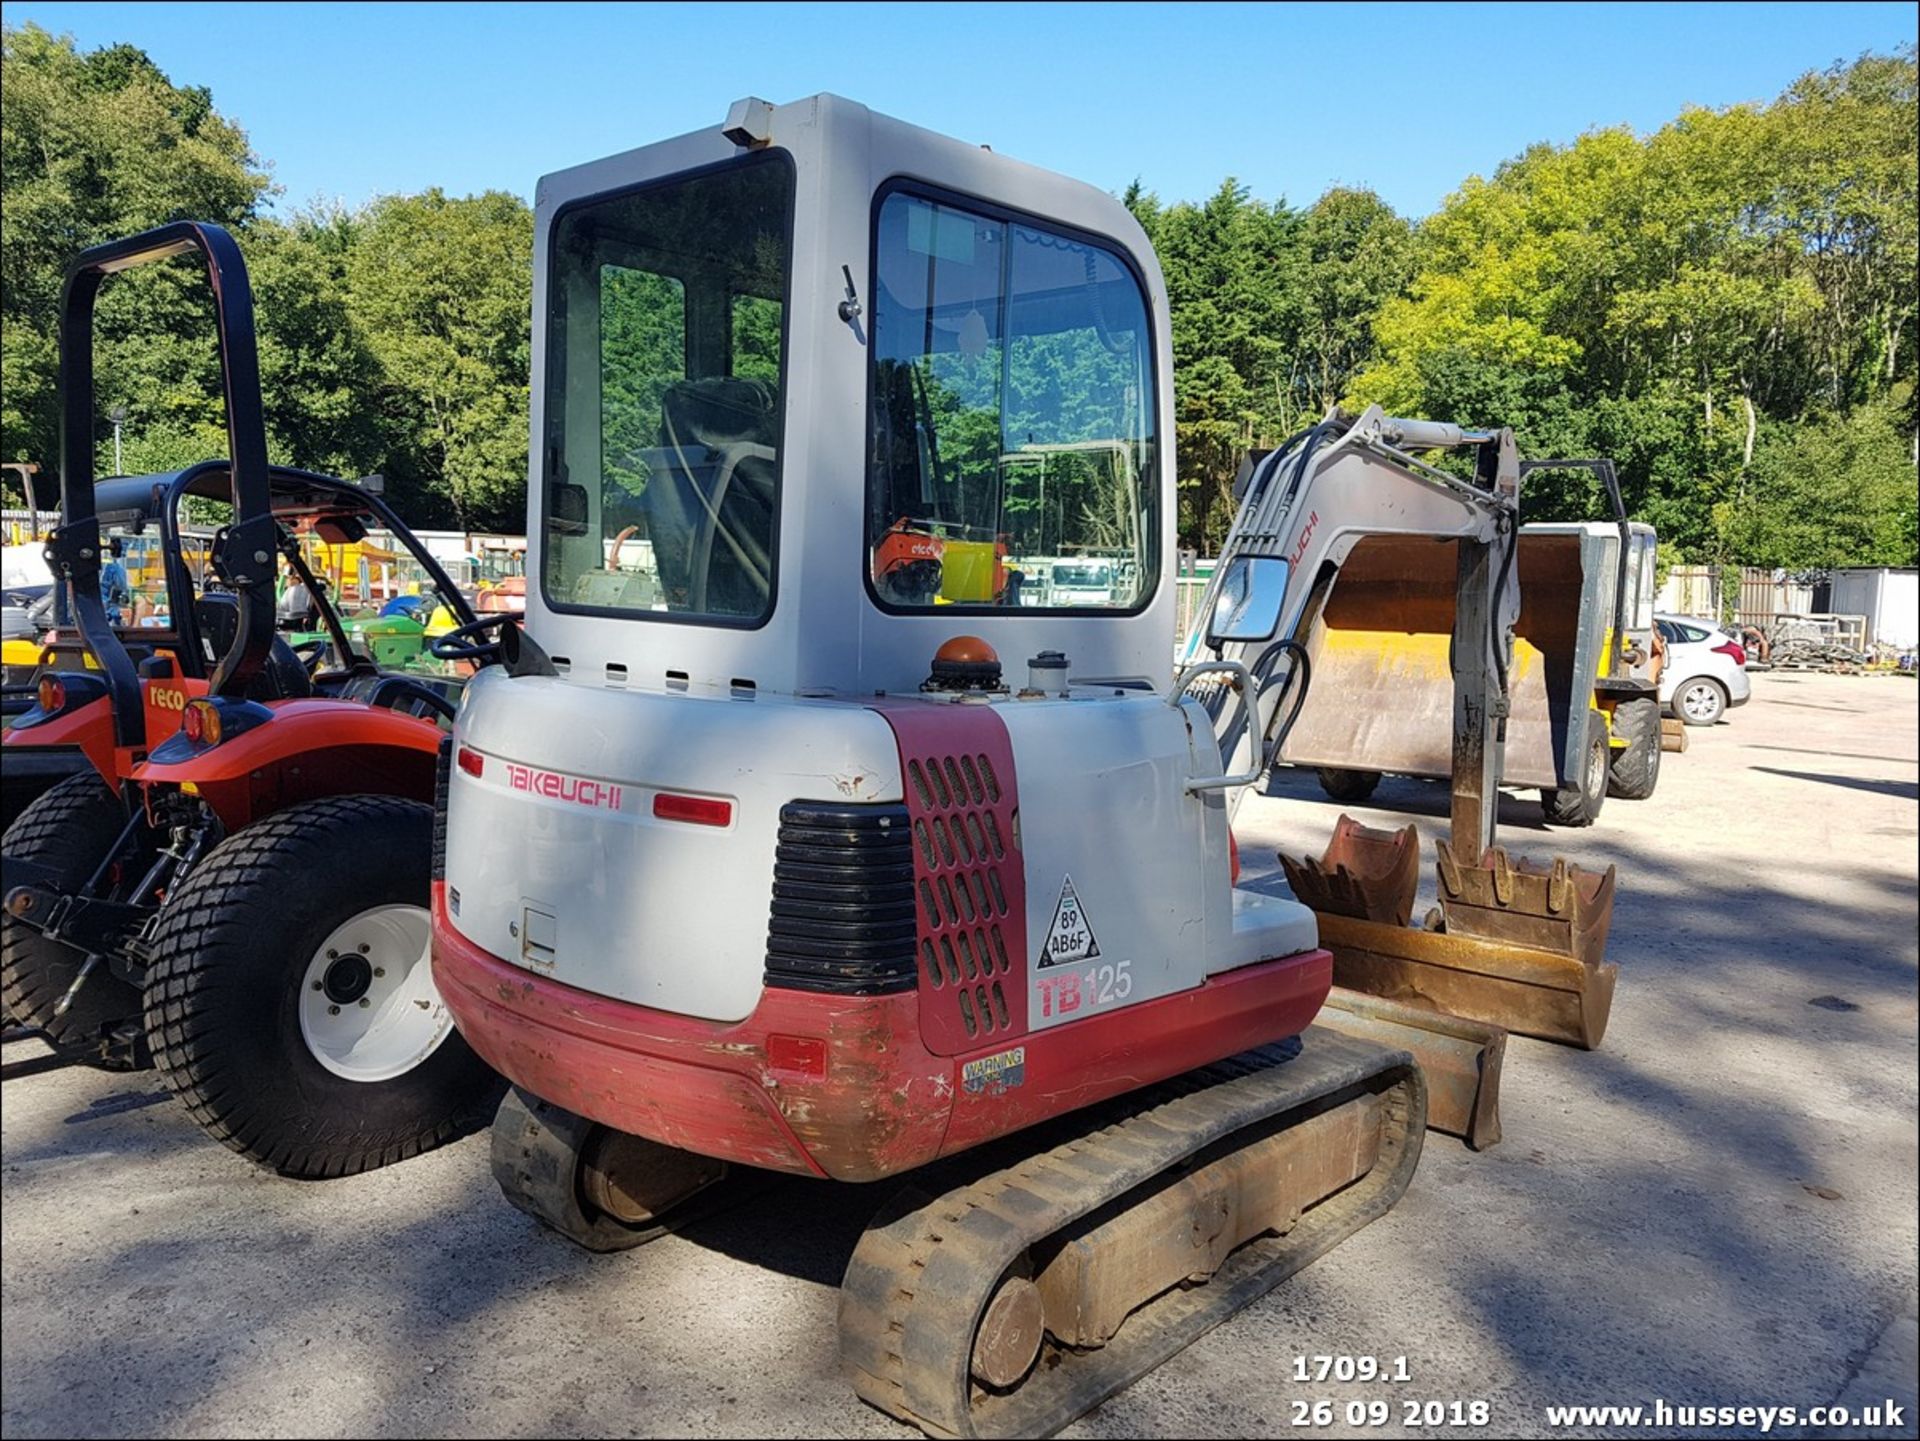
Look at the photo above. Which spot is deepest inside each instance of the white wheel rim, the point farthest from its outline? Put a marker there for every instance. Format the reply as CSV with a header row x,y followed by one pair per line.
x,y
1698,701
368,1007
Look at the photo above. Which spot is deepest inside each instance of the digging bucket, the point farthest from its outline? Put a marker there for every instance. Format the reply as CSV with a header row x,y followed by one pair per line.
x,y
1366,873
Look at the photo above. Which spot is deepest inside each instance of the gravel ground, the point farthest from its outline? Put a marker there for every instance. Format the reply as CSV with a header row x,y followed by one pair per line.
x,y
1717,1208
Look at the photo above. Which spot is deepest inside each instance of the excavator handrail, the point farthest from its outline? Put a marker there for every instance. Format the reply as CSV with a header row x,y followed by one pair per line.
x,y
1243,681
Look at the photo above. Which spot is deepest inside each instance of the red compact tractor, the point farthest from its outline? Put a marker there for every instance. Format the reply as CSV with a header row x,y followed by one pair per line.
x,y
233,881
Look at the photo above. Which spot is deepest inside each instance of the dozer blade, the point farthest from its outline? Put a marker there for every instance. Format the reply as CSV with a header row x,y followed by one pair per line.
x,y
1561,908
1460,1058
1010,1306
1372,875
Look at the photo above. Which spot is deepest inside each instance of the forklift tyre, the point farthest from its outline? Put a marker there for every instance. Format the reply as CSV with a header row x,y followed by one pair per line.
x,y
1635,771
70,828
1348,787
1580,806
290,1002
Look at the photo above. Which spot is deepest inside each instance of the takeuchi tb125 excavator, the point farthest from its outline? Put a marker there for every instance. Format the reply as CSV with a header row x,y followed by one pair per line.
x,y
806,826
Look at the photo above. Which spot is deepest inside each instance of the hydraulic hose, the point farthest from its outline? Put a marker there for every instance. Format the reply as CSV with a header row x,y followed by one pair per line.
x,y
1303,668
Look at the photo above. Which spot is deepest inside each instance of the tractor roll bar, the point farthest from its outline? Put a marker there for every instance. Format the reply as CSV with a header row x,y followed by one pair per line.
x,y
74,548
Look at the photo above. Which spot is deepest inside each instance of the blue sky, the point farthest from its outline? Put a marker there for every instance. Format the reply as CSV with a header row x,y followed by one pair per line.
x,y
352,100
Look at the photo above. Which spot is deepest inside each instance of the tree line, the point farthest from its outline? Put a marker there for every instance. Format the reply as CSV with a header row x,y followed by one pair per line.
x,y
1726,306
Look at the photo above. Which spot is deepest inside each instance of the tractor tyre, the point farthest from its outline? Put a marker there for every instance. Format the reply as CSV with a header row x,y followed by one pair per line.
x,y
1580,805
70,828
291,1002
1635,771
1348,787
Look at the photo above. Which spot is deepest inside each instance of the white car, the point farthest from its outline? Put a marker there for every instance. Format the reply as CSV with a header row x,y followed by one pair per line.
x,y
1706,669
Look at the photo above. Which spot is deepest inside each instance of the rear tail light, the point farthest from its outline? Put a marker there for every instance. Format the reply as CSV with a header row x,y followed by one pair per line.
x,y
1734,650
695,810
51,694
471,761
201,722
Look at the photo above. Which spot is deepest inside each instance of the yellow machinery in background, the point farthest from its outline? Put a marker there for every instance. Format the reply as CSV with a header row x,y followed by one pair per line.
x,y
1584,711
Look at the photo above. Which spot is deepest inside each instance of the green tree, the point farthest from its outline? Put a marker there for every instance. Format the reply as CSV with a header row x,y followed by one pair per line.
x,y
1684,302
94,146
1838,492
1225,263
319,375
442,290
1353,254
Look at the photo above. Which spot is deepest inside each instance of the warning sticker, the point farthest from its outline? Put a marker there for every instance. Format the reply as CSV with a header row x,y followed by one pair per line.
x,y
993,1074
1070,937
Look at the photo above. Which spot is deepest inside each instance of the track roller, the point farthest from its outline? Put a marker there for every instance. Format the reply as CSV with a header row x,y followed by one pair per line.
x,y
1010,1306
598,1187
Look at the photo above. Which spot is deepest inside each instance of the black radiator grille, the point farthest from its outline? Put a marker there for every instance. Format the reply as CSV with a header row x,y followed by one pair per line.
x,y
843,907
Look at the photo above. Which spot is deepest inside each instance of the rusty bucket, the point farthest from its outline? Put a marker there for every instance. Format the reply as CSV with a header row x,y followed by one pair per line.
x,y
1519,947
1369,874
1558,908
1531,992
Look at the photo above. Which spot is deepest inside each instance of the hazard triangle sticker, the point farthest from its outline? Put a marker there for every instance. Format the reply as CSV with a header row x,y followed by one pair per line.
x,y
1070,938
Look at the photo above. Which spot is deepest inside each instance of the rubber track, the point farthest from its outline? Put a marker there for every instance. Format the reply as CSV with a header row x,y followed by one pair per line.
x,y
535,1150
919,1282
536,1158
191,1068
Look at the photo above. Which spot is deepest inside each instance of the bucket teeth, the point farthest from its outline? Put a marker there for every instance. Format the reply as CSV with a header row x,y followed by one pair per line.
x,y
1369,874
1558,908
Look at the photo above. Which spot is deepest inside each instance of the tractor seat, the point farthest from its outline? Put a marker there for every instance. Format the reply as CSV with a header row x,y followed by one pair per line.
x,y
281,675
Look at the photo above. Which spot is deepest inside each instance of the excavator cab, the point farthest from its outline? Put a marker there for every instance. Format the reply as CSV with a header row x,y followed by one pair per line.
x,y
858,813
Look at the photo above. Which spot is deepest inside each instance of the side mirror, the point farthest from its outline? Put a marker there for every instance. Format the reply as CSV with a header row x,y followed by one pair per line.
x,y
1247,605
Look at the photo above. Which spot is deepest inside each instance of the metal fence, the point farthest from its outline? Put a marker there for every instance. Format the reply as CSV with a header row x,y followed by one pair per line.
x,y
1762,596
1192,574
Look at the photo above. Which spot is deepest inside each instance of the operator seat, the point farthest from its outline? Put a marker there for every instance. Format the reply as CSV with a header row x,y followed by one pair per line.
x,y
281,676
710,507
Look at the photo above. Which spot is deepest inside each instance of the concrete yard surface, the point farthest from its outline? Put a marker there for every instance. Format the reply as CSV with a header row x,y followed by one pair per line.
x,y
1717,1208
